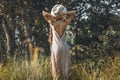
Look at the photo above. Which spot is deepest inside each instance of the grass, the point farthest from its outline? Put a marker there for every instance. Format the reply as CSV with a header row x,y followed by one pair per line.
x,y
104,69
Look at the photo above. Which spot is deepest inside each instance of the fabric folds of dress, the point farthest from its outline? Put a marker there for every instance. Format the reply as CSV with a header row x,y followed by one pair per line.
x,y
60,56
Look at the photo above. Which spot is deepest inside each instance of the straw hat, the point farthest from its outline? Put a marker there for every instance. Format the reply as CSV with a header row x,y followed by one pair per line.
x,y
59,8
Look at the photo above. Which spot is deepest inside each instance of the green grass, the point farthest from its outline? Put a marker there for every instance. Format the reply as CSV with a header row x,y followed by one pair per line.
x,y
104,69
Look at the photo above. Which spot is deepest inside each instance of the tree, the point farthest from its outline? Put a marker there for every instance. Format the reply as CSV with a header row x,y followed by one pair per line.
x,y
95,27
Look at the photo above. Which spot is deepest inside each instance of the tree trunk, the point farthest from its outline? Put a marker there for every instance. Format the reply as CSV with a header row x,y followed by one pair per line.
x,y
29,40
7,36
76,42
12,36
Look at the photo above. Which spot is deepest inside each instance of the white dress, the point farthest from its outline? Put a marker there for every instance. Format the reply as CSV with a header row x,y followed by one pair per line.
x,y
60,56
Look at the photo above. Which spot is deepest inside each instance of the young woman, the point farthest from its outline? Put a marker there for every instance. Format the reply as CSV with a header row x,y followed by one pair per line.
x,y
59,19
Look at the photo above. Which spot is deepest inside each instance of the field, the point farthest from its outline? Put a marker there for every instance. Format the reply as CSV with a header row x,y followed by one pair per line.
x,y
93,36
105,69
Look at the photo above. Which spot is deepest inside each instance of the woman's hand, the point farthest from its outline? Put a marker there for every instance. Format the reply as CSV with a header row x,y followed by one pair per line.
x,y
71,12
50,40
60,14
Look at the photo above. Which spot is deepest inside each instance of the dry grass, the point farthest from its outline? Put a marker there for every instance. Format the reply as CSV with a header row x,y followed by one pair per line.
x,y
86,70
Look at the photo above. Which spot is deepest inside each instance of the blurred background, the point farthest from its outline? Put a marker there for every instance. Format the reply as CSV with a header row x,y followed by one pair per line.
x,y
94,32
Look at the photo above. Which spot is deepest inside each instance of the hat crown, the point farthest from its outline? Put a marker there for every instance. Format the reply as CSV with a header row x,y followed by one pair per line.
x,y
58,8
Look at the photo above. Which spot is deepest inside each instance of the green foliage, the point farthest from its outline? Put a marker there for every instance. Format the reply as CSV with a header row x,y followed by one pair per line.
x,y
95,28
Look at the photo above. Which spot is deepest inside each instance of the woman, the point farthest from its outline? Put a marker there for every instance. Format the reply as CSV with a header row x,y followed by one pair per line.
x,y
60,56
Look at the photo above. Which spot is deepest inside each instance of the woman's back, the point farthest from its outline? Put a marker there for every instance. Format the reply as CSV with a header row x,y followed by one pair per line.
x,y
60,56
59,26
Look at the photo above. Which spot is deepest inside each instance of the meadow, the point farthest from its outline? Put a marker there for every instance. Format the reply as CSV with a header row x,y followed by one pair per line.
x,y
107,68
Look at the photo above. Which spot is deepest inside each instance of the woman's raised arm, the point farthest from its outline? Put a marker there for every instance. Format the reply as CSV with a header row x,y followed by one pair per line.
x,y
71,16
47,16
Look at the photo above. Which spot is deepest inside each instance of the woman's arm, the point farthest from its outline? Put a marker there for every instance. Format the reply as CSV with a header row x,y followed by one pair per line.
x,y
50,36
71,15
47,16
68,13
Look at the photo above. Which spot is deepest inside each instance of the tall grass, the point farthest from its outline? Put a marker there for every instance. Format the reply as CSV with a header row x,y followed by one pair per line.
x,y
104,69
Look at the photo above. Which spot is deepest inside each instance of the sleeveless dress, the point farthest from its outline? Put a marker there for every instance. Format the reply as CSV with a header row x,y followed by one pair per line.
x,y
60,56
